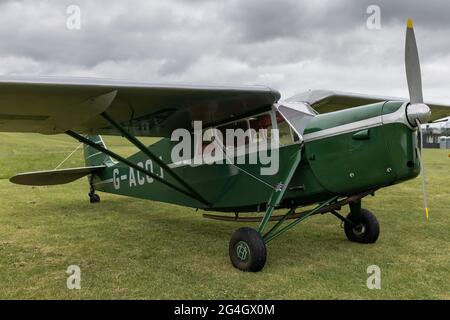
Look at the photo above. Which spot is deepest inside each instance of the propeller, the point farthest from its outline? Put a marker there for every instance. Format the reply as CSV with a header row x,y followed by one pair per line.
x,y
417,112
422,171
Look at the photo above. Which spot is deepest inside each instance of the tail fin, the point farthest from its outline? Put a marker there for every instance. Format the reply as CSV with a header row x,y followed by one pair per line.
x,y
93,157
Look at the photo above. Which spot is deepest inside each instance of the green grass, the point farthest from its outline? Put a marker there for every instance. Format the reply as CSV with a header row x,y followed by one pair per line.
x,y
128,248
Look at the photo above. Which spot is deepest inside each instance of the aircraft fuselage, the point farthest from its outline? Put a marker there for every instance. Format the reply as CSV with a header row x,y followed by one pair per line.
x,y
345,152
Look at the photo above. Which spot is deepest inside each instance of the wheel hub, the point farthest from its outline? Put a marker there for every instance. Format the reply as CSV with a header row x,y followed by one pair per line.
x,y
242,250
359,230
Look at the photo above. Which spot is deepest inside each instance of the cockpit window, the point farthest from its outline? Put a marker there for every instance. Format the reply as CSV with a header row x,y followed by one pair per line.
x,y
261,127
238,139
287,135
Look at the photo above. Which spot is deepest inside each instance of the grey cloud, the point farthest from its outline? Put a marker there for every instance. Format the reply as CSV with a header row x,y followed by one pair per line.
x,y
289,44
263,20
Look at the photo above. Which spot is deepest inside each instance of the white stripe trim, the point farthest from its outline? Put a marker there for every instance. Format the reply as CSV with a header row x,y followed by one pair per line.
x,y
93,155
395,117
330,132
345,128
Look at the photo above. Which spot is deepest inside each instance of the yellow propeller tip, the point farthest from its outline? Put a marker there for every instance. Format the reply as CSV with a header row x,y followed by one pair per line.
x,y
426,213
410,24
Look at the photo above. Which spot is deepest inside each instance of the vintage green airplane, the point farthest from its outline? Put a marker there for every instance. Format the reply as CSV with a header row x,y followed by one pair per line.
x,y
335,148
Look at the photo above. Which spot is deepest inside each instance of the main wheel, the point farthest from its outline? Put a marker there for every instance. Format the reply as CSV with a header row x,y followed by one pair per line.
x,y
366,232
247,250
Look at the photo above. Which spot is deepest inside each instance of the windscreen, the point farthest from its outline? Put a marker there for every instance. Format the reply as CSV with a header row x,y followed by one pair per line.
x,y
297,115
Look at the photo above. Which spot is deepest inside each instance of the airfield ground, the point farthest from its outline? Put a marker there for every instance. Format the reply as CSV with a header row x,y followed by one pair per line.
x,y
129,248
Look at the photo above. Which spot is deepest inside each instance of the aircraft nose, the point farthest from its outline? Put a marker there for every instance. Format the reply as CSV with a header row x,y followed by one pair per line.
x,y
417,111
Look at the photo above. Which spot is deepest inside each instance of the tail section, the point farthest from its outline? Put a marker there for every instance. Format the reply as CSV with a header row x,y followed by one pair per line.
x,y
93,157
96,162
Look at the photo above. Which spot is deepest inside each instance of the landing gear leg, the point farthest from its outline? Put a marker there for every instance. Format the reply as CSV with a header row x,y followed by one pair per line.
x,y
93,197
247,246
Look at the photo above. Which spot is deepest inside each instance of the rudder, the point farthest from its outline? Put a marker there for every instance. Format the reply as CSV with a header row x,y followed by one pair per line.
x,y
93,157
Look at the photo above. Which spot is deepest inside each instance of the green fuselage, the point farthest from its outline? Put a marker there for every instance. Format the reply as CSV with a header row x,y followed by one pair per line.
x,y
344,153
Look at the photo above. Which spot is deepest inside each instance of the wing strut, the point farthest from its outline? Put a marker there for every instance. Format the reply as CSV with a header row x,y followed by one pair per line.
x,y
133,165
152,156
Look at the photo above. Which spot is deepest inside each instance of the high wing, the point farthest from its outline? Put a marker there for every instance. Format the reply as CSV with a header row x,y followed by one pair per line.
x,y
324,101
55,105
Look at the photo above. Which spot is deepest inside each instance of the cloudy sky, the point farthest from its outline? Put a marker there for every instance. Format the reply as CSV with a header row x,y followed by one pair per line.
x,y
290,45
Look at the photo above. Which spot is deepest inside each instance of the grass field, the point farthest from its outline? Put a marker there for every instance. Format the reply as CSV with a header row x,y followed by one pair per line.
x,y
129,248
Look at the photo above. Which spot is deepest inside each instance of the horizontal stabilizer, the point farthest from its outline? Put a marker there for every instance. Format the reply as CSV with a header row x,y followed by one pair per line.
x,y
53,177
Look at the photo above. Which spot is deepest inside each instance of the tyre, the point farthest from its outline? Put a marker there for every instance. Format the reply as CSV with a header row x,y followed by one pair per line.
x,y
247,250
366,232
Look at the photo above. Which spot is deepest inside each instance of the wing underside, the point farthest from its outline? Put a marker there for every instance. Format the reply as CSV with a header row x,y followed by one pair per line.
x,y
54,105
